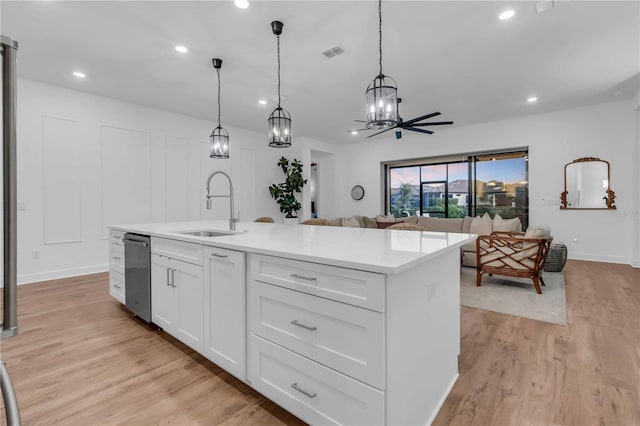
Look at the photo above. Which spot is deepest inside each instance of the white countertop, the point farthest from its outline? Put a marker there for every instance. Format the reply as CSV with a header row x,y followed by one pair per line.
x,y
376,250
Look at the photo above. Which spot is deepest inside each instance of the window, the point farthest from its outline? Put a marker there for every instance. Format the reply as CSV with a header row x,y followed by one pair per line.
x,y
472,184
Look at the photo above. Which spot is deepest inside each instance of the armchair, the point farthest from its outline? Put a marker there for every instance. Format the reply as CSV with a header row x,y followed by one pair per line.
x,y
514,254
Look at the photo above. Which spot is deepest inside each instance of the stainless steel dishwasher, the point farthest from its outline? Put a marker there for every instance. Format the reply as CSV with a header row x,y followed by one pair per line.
x,y
137,274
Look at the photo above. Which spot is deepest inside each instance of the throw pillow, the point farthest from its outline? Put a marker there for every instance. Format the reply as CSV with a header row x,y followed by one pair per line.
x,y
481,225
538,231
466,224
350,222
335,222
381,218
383,225
369,222
506,225
360,220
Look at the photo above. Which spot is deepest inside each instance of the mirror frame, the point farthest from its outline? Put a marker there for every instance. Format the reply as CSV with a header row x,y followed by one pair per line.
x,y
611,196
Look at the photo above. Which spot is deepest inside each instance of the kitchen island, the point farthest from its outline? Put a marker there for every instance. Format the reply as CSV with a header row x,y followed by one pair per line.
x,y
336,325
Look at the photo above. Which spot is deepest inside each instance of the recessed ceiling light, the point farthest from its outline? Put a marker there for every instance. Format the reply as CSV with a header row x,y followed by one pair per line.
x,y
79,74
242,4
354,132
181,49
532,99
507,14
262,102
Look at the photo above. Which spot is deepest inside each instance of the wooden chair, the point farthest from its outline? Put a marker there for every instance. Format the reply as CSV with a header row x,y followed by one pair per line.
x,y
402,226
264,219
317,222
511,254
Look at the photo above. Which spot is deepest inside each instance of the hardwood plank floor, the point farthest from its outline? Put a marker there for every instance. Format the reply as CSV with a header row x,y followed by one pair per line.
x,y
82,359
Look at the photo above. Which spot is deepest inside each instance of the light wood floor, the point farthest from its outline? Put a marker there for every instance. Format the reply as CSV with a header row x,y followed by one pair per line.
x,y
81,359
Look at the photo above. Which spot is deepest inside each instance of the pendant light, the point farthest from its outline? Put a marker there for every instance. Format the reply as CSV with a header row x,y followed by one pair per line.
x,y
279,120
381,97
219,138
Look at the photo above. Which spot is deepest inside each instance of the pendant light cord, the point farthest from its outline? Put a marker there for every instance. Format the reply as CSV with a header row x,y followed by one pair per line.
x,y
218,71
380,32
278,38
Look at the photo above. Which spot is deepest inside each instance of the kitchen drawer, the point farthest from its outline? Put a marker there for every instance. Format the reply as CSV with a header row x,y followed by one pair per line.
x,y
315,393
116,237
116,286
187,252
116,258
359,288
343,337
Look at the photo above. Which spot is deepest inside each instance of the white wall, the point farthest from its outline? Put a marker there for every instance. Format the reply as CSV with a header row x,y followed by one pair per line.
x,y
636,178
607,131
86,161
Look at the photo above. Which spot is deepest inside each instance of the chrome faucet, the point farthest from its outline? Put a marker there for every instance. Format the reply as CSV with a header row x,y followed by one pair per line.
x,y
232,220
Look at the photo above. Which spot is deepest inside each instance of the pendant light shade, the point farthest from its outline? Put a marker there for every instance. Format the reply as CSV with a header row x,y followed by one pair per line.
x,y
219,138
381,97
280,120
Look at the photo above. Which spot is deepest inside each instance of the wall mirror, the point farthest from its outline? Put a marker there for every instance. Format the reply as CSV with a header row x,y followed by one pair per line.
x,y
586,185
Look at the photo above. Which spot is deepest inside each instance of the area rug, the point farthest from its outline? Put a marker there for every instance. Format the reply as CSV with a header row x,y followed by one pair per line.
x,y
516,296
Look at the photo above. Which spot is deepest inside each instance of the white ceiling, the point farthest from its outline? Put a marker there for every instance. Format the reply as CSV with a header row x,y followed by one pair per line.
x,y
448,56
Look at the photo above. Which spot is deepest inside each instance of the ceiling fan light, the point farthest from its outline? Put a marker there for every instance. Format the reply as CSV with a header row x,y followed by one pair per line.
x,y
279,128
219,143
381,100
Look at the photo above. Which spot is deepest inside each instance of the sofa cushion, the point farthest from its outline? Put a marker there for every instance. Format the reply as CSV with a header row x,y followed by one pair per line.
x,y
538,231
350,222
437,224
466,224
506,225
411,219
369,222
335,222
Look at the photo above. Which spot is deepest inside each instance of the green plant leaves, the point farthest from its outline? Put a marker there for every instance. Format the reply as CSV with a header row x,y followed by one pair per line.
x,y
284,192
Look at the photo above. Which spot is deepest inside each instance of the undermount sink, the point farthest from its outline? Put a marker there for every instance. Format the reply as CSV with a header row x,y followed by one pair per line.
x,y
206,233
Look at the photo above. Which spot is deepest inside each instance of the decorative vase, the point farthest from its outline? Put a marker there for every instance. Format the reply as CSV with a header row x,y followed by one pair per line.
x,y
291,221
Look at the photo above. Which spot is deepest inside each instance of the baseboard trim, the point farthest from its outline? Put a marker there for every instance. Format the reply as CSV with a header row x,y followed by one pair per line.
x,y
61,273
596,258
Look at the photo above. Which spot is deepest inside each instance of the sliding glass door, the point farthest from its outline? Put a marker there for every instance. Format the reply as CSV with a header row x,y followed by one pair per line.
x,y
469,185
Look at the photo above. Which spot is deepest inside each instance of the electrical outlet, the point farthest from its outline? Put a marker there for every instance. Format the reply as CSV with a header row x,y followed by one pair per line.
x,y
35,254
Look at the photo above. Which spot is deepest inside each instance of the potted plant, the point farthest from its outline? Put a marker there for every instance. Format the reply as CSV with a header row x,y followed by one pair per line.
x,y
284,193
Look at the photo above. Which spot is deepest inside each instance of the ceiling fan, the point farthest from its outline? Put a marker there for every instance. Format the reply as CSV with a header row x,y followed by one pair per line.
x,y
413,125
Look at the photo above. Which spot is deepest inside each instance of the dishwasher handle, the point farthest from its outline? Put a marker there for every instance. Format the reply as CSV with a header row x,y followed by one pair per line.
x,y
129,239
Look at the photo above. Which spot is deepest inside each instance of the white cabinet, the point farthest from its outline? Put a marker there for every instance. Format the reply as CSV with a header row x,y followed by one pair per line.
x,y
316,338
116,266
177,299
224,312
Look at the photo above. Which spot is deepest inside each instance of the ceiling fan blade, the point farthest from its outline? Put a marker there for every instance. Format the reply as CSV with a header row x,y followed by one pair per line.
x,y
359,121
356,130
413,129
424,117
437,123
376,134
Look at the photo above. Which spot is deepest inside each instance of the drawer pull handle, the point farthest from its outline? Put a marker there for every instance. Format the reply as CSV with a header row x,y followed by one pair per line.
x,y
302,391
308,327
116,258
117,286
224,256
302,277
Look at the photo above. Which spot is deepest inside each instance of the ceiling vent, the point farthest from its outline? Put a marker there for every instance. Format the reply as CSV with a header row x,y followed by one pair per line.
x,y
333,51
544,6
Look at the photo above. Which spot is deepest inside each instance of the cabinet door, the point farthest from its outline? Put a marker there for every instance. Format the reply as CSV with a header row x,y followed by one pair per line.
x,y
225,328
188,281
162,294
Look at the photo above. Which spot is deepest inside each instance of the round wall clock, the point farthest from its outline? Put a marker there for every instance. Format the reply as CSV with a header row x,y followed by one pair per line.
x,y
357,192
